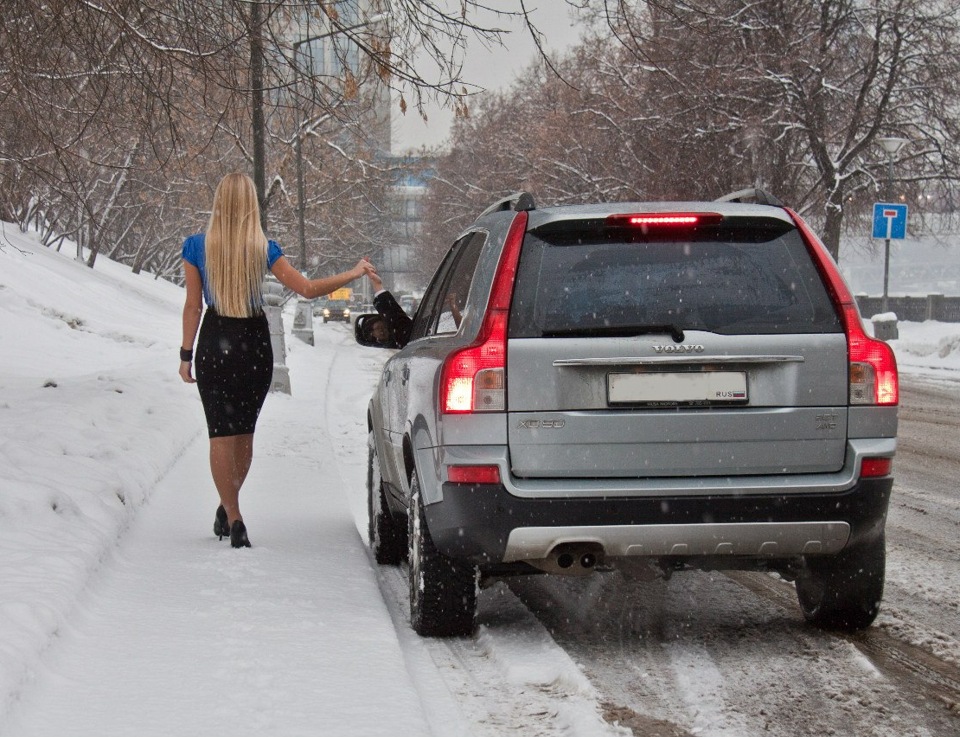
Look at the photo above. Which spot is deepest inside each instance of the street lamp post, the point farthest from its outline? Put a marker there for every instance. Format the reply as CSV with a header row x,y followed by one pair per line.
x,y
298,151
892,146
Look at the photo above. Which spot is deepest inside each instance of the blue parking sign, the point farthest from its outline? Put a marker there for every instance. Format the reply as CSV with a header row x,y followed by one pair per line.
x,y
889,220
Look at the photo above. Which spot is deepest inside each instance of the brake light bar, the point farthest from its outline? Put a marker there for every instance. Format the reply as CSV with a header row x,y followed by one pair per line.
x,y
873,365
664,219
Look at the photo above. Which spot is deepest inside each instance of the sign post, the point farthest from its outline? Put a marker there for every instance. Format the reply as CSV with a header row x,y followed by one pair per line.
x,y
889,221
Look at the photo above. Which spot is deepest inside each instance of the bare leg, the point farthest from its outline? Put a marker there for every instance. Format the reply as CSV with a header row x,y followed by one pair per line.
x,y
230,459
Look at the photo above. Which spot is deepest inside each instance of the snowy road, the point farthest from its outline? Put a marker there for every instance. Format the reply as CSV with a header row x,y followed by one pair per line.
x,y
730,654
176,634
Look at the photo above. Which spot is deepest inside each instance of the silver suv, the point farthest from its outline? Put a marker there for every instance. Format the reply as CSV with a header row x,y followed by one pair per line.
x,y
686,385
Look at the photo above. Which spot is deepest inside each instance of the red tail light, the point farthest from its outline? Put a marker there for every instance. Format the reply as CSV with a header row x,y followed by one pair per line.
x,y
873,365
474,379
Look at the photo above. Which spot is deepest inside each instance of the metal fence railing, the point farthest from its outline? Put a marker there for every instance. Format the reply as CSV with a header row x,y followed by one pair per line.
x,y
913,309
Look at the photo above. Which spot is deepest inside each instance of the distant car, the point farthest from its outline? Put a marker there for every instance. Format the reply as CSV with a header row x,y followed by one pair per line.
x,y
409,304
683,385
336,309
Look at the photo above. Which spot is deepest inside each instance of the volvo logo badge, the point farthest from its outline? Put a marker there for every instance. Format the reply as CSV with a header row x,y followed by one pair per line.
x,y
693,348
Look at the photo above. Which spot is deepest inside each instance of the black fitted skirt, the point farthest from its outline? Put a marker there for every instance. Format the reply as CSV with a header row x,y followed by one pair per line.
x,y
234,364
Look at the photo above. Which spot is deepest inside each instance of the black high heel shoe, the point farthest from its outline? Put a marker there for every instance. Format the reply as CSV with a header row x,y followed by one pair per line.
x,y
221,527
238,535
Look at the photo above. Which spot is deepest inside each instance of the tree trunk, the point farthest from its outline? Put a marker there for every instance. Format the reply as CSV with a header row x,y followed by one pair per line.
x,y
833,223
141,255
94,243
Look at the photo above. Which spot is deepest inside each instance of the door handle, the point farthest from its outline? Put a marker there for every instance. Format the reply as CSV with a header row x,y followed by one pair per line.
x,y
405,375
386,376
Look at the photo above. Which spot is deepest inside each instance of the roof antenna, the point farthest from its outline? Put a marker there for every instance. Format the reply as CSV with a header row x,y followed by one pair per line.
x,y
751,193
518,201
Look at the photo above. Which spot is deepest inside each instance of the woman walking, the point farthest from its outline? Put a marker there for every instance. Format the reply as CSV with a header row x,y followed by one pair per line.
x,y
225,267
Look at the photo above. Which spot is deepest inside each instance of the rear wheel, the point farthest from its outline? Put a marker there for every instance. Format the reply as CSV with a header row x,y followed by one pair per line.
x,y
443,591
843,591
386,535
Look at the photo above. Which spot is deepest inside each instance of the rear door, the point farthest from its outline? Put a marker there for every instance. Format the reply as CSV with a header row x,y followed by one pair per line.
x,y
674,352
409,377
395,379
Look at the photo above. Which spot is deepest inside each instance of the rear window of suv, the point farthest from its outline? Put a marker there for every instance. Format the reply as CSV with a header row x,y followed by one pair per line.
x,y
733,278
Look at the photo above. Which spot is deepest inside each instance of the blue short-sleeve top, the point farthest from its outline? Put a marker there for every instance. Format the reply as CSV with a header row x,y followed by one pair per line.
x,y
195,253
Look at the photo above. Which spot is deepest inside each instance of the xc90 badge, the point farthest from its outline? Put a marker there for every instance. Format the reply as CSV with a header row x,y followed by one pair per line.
x,y
542,424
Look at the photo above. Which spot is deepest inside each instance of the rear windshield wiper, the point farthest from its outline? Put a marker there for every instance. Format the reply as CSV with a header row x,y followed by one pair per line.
x,y
617,331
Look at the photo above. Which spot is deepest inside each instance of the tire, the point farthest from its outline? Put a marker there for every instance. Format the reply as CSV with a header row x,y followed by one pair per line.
x,y
443,591
387,537
843,591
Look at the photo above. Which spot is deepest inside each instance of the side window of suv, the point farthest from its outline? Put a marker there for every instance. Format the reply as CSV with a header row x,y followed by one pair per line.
x,y
446,297
426,315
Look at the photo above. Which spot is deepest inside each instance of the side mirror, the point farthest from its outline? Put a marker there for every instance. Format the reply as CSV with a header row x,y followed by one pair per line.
x,y
366,334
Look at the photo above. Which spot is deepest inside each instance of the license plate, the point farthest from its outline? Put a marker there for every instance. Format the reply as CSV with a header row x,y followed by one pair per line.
x,y
669,389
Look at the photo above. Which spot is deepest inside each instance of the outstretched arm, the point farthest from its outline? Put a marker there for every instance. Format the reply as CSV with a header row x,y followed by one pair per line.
x,y
384,302
313,288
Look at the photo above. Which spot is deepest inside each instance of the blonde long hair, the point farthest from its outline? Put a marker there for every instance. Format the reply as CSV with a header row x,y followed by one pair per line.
x,y
236,248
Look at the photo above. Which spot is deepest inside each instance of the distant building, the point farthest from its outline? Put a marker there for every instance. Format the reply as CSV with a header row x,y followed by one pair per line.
x,y
398,258
327,50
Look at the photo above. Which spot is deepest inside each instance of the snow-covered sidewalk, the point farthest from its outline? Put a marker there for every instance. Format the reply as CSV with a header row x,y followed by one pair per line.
x,y
105,538
289,638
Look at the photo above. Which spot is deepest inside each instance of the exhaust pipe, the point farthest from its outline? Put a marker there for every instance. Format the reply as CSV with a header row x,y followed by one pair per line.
x,y
571,559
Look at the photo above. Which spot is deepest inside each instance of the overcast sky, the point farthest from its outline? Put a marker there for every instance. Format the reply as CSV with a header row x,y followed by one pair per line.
x,y
490,69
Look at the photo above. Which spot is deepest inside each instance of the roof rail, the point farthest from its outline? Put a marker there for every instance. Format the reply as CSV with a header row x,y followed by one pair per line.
x,y
518,201
751,193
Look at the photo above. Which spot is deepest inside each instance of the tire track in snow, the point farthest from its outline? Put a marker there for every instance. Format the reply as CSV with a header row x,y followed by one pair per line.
x,y
511,678
916,669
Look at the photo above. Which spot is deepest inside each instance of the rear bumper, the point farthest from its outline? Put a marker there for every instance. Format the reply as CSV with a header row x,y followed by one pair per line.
x,y
488,526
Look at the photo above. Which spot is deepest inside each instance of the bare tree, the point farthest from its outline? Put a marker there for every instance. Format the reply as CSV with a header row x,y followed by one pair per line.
x,y
796,95
103,102
668,100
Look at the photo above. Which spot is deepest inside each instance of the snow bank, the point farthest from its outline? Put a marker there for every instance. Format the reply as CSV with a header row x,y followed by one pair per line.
x,y
88,398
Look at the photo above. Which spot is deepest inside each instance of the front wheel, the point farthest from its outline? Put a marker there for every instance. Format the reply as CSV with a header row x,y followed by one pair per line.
x,y
387,539
443,591
843,591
